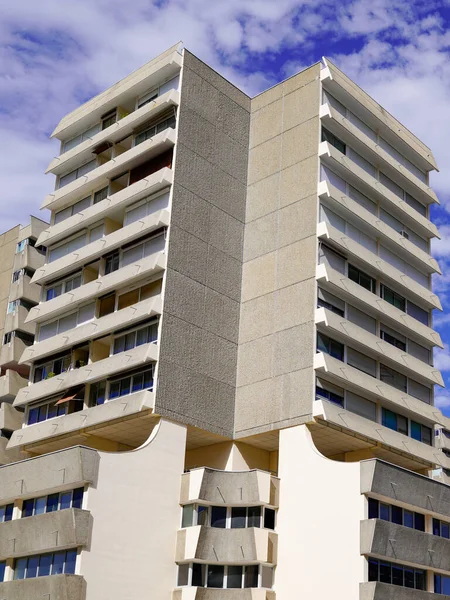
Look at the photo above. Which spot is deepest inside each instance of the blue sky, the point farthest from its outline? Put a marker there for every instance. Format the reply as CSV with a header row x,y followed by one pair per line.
x,y
55,54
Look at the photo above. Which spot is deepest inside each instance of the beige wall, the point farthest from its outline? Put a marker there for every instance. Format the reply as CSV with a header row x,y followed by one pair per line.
x,y
8,241
229,456
136,514
276,337
199,333
318,522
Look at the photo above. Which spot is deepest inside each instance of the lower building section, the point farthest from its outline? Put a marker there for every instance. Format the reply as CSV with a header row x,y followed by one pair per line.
x,y
53,587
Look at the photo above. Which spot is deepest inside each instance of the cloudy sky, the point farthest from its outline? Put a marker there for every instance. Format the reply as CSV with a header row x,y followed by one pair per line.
x,y
56,54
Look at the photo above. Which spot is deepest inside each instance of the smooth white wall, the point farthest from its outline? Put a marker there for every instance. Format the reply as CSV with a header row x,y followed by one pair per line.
x,y
318,522
136,514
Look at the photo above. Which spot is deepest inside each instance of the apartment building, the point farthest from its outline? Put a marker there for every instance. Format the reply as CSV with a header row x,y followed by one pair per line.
x,y
231,391
19,260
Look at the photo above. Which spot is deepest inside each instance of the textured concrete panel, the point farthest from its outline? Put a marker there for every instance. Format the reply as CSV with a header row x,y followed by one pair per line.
x,y
384,591
296,262
258,276
54,587
223,273
403,544
294,349
49,532
262,197
294,304
297,221
264,160
255,360
301,79
257,318
304,102
300,143
261,236
266,123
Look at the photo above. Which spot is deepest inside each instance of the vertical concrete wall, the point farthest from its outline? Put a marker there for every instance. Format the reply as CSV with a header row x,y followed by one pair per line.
x,y
198,356
136,514
318,522
276,338
8,242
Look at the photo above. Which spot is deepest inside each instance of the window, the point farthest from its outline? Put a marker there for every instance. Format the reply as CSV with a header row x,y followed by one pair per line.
x,y
26,338
330,392
115,388
145,207
329,137
386,572
138,337
361,319
87,134
396,514
361,362
56,366
6,512
109,118
236,517
392,297
76,173
72,401
393,338
441,584
24,243
362,279
45,564
360,406
2,570
421,315
421,433
329,257
67,248
329,346
112,262
101,195
154,129
53,502
139,294
16,276
441,528
74,209
61,287
147,98
330,302
83,314
172,84
12,307
223,576
107,304
394,421
393,378
142,249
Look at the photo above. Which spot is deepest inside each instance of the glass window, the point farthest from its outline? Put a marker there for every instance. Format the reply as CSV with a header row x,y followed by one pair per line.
x,y
251,576
234,577
2,570
418,313
392,297
45,565
202,515
218,516
112,262
32,567
52,502
40,505
198,575
362,279
77,499
391,377
215,576
269,518
6,512
20,568
361,362
238,517
58,563
331,302
373,508
329,137
187,519
254,516
183,575
101,195
408,518
70,562
329,346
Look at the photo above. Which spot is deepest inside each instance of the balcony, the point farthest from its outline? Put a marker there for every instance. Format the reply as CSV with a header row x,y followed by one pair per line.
x,y
102,174
162,68
115,421
354,174
409,488
387,272
115,202
23,288
381,440
94,371
126,317
343,128
141,270
226,546
347,332
16,320
230,487
403,544
114,134
360,383
373,590
29,258
97,249
340,285
54,587
199,593
10,353
10,384
340,202
339,84
59,530
67,469
10,418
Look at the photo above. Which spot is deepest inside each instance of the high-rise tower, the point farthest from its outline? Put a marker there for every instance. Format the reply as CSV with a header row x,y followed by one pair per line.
x,y
231,387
